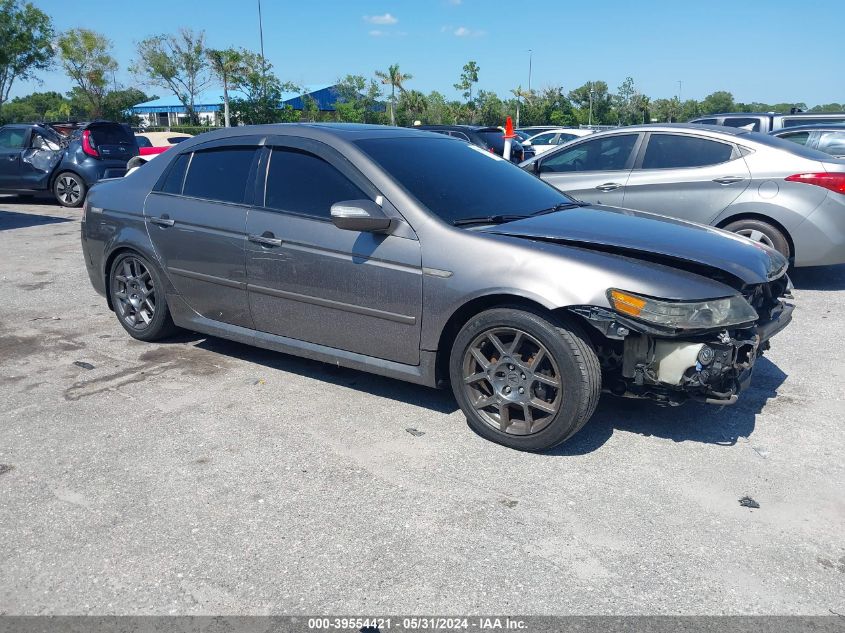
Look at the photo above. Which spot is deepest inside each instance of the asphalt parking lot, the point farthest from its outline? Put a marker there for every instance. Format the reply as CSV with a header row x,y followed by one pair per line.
x,y
200,476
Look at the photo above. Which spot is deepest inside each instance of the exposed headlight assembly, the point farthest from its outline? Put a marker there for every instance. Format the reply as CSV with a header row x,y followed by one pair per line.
x,y
683,315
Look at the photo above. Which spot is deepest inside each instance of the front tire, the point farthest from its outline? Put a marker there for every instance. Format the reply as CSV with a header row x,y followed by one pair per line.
x,y
763,232
137,296
69,189
524,379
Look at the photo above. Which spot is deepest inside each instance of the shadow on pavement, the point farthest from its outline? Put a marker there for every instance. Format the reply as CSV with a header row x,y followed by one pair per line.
x,y
691,422
819,277
13,220
439,400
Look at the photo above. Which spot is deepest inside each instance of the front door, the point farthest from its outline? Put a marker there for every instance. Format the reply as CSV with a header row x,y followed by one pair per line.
x,y
311,281
197,224
688,177
595,170
12,141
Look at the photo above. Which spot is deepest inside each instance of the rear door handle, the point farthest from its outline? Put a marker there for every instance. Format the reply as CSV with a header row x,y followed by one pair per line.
x,y
267,239
163,221
609,186
728,180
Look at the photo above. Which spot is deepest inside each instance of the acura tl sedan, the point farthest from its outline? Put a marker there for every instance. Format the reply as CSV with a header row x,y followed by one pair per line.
x,y
788,197
456,267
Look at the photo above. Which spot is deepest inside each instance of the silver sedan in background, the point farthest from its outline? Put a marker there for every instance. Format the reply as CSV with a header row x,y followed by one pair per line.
x,y
786,196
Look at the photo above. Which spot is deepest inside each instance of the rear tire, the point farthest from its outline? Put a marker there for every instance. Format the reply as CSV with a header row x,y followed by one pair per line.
x,y
69,189
524,379
763,232
138,298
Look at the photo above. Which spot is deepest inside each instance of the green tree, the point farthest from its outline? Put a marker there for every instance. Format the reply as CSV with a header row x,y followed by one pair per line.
x,y
593,103
690,109
26,34
666,110
116,104
86,59
262,102
412,107
351,105
225,64
395,79
491,109
828,107
468,78
437,110
716,102
177,63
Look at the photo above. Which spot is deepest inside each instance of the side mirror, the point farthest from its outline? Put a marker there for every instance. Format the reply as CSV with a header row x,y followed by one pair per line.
x,y
359,215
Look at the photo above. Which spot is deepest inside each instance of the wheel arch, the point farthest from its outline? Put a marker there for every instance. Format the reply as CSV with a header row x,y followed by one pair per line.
x,y
118,250
487,302
750,215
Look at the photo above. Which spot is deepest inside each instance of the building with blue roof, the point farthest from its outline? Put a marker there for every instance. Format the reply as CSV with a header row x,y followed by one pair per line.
x,y
168,110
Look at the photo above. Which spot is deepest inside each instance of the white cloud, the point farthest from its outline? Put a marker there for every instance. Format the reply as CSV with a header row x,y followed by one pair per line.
x,y
376,33
381,19
463,31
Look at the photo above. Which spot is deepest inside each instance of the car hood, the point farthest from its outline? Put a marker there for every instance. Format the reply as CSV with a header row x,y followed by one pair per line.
x,y
653,238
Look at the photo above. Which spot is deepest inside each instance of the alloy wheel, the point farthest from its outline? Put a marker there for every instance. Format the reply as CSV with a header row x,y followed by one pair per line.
x,y
134,293
69,190
512,381
756,236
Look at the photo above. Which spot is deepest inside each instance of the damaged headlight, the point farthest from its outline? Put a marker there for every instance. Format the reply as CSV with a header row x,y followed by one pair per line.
x,y
683,315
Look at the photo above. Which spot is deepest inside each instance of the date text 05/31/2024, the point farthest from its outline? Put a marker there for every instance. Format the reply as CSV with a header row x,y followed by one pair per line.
x,y
416,623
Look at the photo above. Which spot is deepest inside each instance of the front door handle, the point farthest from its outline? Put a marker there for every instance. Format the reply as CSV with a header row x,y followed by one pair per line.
x,y
163,221
266,239
728,180
609,186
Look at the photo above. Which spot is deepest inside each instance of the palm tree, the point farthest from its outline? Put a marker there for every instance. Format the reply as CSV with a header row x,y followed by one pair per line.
x,y
394,77
226,64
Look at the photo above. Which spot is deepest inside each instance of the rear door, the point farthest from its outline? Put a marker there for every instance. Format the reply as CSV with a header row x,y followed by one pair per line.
x,y
686,176
196,220
13,140
594,170
311,281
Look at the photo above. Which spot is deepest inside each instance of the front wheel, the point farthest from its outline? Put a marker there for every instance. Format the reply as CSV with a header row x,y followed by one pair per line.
x,y
69,189
763,232
137,296
523,379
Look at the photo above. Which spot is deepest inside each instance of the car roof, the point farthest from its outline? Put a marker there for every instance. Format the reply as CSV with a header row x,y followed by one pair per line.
x,y
674,127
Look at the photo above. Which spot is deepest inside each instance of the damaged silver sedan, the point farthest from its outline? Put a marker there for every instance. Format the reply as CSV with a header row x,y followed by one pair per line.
x,y
420,257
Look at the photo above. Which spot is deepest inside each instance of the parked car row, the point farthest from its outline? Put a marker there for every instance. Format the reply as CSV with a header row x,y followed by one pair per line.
x,y
424,258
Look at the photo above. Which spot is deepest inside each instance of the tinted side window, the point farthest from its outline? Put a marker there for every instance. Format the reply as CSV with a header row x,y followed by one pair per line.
x,y
301,182
791,122
219,174
12,138
832,143
543,139
176,175
746,123
601,154
707,121
143,141
797,137
667,151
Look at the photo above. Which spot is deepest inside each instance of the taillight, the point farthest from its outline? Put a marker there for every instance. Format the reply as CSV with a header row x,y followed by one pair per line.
x,y
833,181
88,144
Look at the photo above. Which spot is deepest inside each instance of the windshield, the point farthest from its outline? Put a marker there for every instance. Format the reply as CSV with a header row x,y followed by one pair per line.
x,y
457,181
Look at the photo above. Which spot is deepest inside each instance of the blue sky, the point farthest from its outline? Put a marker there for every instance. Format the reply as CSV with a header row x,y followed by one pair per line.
x,y
769,51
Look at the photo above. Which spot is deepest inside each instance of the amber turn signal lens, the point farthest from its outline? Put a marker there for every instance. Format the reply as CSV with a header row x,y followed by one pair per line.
x,y
627,304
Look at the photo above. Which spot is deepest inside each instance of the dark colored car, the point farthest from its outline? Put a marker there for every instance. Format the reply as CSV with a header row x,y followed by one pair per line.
x,y
770,121
829,139
329,242
489,138
37,157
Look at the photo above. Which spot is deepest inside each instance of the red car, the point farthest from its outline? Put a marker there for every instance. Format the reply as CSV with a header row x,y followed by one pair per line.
x,y
152,143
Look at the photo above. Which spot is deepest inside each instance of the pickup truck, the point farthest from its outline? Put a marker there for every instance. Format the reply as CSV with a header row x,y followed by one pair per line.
x,y
65,160
769,121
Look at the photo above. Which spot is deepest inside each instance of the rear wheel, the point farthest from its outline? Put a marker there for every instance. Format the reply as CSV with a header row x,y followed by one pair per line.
x,y
69,189
137,295
524,380
763,232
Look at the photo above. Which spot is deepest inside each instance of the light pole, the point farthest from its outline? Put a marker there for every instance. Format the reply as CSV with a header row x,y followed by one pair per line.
x,y
590,124
530,56
261,40
680,86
